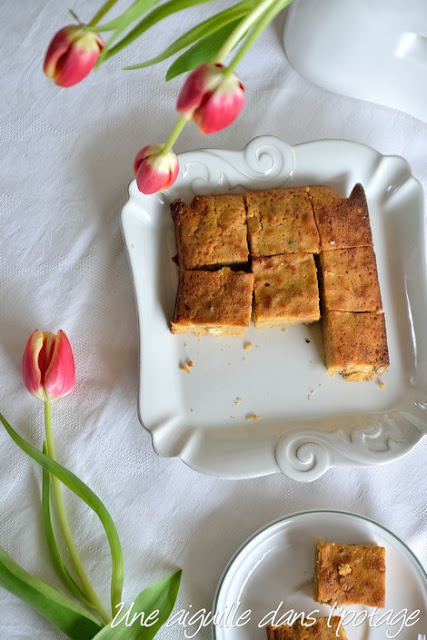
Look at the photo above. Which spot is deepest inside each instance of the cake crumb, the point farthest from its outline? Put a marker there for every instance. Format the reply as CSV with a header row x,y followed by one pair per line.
x,y
238,400
190,363
252,416
381,384
284,329
257,346
184,367
248,346
311,394
307,340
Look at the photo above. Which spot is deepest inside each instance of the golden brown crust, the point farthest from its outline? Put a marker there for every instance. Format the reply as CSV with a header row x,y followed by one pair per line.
x,y
211,231
350,574
213,302
285,290
349,280
283,227
323,195
355,344
342,223
322,629
281,221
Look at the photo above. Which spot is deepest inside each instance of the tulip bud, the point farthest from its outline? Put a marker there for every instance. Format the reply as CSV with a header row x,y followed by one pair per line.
x,y
72,54
48,365
211,98
154,169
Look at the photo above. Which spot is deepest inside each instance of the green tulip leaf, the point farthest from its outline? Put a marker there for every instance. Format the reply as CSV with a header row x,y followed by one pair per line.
x,y
89,497
162,12
204,51
123,22
209,26
52,545
134,12
109,4
75,16
155,603
50,602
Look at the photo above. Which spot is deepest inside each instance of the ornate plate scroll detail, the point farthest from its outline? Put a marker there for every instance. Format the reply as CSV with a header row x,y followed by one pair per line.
x,y
303,458
307,457
264,160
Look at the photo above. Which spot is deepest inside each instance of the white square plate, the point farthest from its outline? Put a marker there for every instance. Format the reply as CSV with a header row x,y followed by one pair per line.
x,y
307,420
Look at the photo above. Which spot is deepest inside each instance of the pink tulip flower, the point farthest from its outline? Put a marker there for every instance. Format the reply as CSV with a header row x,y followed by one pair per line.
x,y
211,98
48,365
154,169
72,54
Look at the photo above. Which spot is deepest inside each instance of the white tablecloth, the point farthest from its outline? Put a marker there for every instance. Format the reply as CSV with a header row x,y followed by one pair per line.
x,y
65,163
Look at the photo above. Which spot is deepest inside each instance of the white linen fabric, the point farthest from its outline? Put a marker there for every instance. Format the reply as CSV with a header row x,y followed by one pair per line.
x,y
65,165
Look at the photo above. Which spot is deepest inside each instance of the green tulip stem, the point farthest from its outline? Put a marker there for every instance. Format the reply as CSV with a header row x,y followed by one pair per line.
x,y
65,527
174,135
270,14
101,13
238,33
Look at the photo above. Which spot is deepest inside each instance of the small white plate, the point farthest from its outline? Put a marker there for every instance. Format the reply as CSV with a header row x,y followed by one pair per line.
x,y
308,420
276,565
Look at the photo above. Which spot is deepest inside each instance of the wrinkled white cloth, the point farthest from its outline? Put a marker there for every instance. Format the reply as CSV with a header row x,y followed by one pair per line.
x,y
65,163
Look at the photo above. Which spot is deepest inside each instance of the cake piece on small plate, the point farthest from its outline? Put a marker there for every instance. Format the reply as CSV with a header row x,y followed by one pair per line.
x,y
342,222
323,629
355,344
285,290
281,221
350,574
215,303
211,231
349,280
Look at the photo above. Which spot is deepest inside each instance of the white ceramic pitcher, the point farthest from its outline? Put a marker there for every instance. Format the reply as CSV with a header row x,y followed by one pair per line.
x,y
370,49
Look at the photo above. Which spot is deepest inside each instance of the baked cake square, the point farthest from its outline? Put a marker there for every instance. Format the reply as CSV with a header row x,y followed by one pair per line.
x,y
350,574
285,290
211,231
342,223
281,221
322,629
349,280
355,344
213,302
